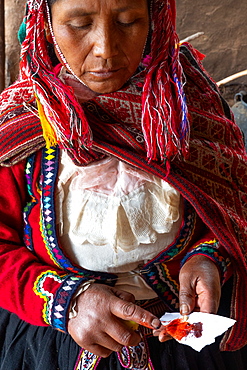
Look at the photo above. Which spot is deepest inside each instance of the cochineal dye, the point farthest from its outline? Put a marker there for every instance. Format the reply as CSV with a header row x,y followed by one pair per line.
x,y
179,329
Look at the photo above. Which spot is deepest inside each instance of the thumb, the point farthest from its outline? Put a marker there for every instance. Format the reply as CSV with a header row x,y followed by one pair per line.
x,y
187,296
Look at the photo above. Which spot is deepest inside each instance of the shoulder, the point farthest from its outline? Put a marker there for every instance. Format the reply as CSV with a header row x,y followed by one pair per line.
x,y
15,95
210,115
199,85
20,129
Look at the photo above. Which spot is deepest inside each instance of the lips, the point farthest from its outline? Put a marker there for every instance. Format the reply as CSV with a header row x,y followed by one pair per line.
x,y
104,73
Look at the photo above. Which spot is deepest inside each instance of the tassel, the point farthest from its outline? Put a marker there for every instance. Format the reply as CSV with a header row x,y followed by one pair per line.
x,y
48,131
165,121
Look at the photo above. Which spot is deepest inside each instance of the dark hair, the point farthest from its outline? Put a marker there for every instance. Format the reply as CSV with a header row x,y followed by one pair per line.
x,y
51,2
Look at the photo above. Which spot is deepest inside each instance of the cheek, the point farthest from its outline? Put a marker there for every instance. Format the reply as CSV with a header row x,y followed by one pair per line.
x,y
71,48
135,49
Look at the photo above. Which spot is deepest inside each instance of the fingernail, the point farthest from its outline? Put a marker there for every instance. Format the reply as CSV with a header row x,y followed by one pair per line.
x,y
164,337
184,309
156,323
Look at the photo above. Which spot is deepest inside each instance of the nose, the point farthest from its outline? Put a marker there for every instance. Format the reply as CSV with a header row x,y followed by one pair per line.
x,y
105,45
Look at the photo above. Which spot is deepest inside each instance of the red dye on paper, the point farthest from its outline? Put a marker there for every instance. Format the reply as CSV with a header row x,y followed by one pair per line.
x,y
179,329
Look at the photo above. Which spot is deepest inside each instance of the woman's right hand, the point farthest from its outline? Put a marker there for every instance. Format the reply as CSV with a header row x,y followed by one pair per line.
x,y
99,325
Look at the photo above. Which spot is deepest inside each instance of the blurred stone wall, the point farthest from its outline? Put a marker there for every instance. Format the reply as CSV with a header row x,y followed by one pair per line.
x,y
14,11
224,42
224,24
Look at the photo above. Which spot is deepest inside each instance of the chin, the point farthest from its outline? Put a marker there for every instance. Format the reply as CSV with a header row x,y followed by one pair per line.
x,y
104,87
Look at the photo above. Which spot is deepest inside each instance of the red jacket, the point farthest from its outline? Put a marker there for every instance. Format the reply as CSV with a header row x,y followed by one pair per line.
x,y
212,179
37,281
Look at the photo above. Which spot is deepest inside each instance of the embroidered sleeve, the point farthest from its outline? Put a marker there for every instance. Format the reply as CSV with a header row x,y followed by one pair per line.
x,y
32,285
210,249
56,303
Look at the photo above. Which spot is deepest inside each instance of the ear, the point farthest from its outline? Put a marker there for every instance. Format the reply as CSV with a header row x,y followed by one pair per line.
x,y
48,33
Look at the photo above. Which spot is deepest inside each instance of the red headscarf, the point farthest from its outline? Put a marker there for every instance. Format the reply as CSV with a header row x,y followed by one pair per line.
x,y
164,118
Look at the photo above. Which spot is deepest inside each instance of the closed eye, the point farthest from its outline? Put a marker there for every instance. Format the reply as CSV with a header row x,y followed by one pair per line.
x,y
80,26
126,24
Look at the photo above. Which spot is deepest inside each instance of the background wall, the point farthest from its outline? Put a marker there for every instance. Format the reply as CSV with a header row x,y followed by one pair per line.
x,y
224,42
224,24
14,10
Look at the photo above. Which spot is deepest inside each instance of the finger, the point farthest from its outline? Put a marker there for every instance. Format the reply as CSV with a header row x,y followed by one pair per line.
x,y
208,288
199,285
130,311
107,342
102,344
113,336
187,297
122,334
208,300
163,336
125,296
98,350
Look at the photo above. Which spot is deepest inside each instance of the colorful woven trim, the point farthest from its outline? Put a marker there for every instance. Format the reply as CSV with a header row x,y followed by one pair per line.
x,y
50,163
210,249
87,361
56,305
156,273
46,295
136,357
28,240
61,302
50,159
133,357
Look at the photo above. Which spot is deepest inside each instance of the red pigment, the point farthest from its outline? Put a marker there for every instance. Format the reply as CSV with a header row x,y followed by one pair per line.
x,y
143,323
179,329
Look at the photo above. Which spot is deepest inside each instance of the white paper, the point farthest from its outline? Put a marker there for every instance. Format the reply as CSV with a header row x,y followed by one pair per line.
x,y
212,327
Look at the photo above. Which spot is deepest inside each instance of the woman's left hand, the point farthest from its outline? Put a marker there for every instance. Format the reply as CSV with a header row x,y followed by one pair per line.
x,y
200,287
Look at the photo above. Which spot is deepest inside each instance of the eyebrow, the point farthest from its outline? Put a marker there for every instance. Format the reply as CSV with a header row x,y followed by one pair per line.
x,y
125,8
78,12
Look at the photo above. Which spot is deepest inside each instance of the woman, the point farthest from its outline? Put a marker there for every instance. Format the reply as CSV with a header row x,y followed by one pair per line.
x,y
122,193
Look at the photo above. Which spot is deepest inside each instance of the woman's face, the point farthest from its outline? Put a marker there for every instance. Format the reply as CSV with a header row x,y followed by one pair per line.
x,y
102,40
